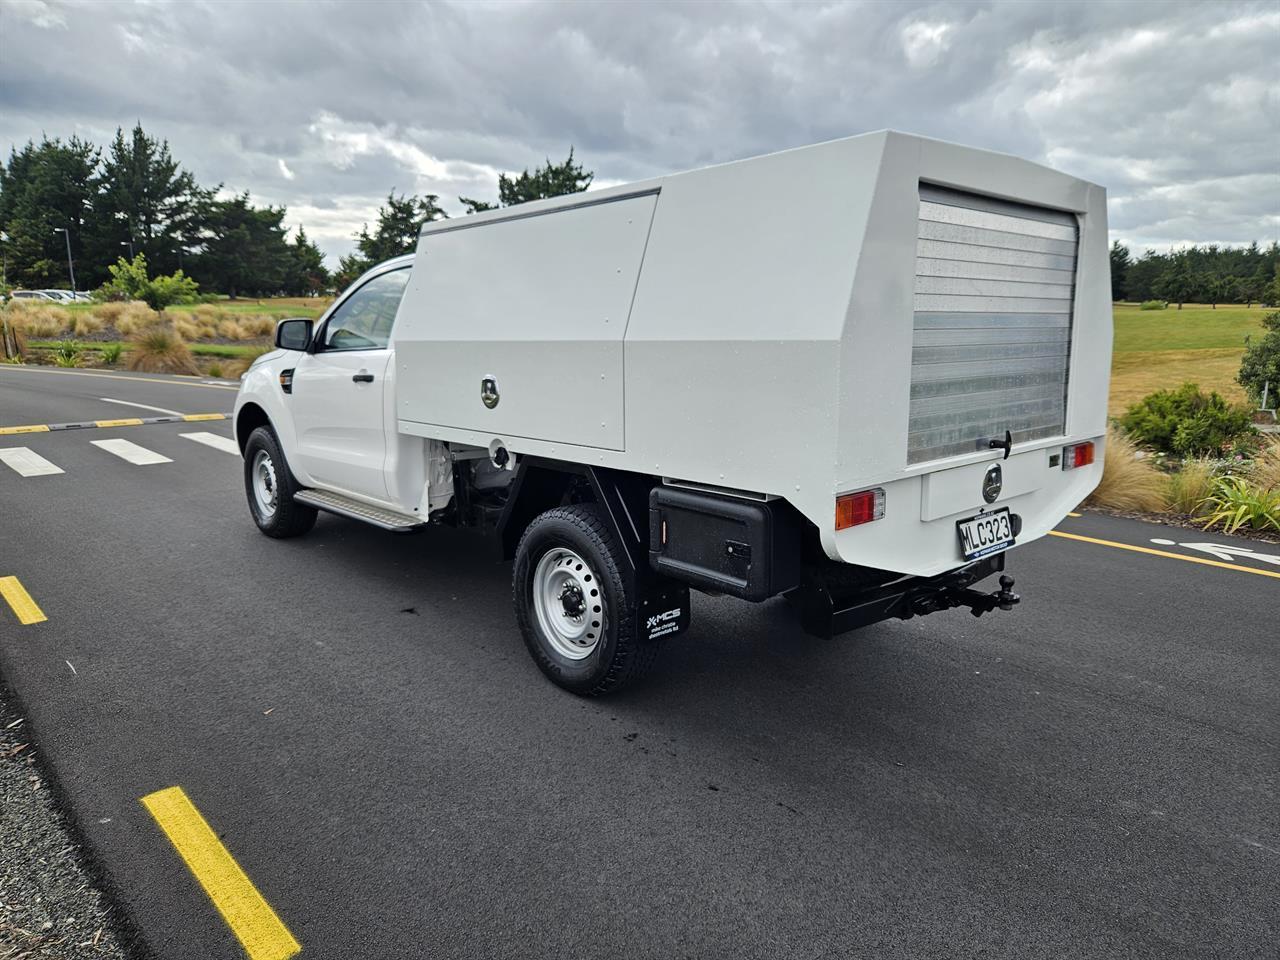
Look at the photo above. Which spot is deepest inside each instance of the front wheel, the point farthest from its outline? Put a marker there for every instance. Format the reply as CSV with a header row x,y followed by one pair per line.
x,y
575,608
270,487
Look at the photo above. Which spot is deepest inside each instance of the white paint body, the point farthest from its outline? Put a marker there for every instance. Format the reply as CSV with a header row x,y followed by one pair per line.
x,y
746,326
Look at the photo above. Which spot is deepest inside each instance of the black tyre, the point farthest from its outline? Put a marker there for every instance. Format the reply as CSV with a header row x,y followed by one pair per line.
x,y
575,607
270,486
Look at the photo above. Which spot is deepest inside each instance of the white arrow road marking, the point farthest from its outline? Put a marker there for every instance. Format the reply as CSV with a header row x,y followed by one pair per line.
x,y
127,450
225,444
27,463
144,406
1224,551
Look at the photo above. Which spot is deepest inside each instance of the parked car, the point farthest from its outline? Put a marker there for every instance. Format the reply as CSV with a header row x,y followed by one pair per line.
x,y
861,399
44,295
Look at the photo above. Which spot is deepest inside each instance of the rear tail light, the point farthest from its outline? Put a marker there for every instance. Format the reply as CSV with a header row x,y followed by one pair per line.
x,y
1077,455
861,507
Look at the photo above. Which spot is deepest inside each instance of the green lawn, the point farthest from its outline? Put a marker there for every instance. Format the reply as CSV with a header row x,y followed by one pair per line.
x,y
1162,349
1194,327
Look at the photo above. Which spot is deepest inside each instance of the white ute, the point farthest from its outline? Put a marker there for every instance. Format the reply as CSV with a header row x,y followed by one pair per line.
x,y
860,393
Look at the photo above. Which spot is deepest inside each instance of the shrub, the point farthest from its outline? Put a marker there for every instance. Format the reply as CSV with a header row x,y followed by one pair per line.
x,y
84,324
1266,468
1186,421
1234,503
129,280
185,324
215,370
1189,486
1153,305
260,326
1128,483
231,329
134,318
159,349
111,353
39,320
1261,363
67,354
109,313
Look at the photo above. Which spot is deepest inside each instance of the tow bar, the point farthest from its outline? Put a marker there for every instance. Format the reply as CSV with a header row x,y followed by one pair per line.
x,y
977,601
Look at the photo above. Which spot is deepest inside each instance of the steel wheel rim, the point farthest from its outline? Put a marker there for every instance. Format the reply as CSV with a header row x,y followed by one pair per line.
x,y
568,603
266,492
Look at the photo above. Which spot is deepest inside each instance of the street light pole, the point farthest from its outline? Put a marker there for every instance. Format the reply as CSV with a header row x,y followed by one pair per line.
x,y
70,268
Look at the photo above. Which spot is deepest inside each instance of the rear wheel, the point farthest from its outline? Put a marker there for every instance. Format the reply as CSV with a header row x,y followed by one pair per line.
x,y
270,487
575,608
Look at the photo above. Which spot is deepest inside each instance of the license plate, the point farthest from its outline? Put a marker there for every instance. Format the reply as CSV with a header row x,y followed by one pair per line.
x,y
985,534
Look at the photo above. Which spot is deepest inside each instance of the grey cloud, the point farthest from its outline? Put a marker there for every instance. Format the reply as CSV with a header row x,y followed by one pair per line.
x,y
1175,107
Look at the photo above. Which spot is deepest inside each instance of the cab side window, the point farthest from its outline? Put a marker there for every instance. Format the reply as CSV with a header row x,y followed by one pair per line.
x,y
364,320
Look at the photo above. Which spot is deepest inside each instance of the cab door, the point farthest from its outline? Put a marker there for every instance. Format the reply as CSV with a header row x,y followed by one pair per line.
x,y
338,397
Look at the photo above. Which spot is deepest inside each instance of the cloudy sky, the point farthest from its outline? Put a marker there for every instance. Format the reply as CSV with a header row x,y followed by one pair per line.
x,y
325,107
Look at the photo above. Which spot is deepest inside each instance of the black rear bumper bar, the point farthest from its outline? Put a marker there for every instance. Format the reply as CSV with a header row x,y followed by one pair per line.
x,y
828,609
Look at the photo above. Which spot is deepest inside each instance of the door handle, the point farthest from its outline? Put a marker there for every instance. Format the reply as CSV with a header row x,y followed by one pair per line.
x,y
363,378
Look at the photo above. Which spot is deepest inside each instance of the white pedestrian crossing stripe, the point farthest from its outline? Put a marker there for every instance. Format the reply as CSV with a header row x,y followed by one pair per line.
x,y
225,444
127,450
27,463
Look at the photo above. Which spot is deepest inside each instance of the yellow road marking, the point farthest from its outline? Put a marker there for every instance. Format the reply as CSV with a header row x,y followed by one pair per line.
x,y
192,417
1165,553
29,428
250,917
15,593
1073,514
126,422
114,376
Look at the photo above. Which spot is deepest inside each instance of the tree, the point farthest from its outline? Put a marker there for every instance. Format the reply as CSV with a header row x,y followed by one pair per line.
x,y
1261,362
149,201
396,233
42,189
1177,283
549,180
1119,269
244,250
306,274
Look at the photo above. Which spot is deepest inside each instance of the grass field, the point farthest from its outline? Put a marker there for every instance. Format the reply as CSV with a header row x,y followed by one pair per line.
x,y
1160,349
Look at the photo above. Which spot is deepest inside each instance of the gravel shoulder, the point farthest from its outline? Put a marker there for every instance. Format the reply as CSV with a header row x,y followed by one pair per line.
x,y
49,904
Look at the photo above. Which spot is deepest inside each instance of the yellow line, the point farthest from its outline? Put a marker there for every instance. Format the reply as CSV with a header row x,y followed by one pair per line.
x,y
15,593
116,376
250,917
1165,553
1073,514
127,422
30,428
192,417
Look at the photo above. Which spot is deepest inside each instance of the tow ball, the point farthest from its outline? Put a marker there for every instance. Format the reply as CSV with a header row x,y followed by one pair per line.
x,y
977,601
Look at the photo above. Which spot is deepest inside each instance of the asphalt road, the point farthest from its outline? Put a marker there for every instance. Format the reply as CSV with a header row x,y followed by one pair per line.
x,y
1091,775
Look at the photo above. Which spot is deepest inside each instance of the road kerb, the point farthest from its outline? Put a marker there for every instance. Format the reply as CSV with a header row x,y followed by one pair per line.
x,y
262,934
15,594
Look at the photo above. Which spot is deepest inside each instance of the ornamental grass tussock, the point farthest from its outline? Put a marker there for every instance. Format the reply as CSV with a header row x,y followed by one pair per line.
x,y
160,349
1128,482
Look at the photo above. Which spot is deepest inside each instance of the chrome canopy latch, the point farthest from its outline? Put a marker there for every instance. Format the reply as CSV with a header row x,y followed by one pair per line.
x,y
995,443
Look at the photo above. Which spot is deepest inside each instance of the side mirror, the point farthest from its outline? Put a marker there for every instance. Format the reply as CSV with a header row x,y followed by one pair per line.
x,y
293,334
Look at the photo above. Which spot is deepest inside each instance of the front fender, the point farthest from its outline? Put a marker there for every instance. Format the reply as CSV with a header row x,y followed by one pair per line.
x,y
260,386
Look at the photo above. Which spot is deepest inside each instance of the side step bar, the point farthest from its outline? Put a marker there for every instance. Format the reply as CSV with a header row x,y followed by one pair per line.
x,y
355,509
